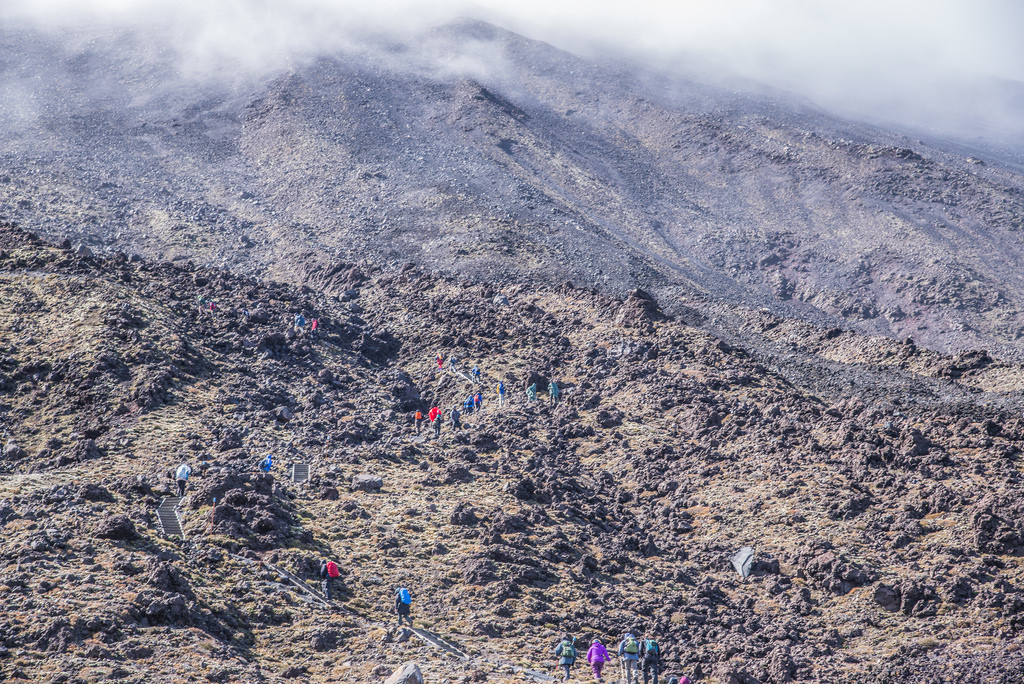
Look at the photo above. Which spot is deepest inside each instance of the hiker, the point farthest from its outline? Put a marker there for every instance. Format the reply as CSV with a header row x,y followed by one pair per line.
x,y
181,475
453,365
566,654
650,661
300,322
467,405
455,416
213,307
328,573
476,374
554,392
201,301
435,418
267,463
418,420
478,402
629,654
531,392
314,327
597,656
440,361
403,602
501,394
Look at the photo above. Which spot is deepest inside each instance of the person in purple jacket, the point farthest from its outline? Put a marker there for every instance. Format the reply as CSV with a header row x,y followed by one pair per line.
x,y
597,656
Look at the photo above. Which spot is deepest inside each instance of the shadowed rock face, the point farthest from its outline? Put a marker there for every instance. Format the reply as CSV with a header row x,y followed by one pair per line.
x,y
550,168
880,492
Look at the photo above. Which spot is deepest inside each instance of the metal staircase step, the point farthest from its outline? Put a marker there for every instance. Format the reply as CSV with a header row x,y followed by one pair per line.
x,y
167,514
300,472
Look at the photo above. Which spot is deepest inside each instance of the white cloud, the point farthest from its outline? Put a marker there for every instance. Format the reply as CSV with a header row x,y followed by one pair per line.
x,y
926,62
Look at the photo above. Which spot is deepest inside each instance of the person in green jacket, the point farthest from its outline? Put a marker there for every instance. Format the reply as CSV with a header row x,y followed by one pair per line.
x,y
566,653
555,393
531,392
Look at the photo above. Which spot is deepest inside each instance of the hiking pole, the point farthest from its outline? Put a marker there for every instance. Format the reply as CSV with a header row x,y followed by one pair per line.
x,y
209,528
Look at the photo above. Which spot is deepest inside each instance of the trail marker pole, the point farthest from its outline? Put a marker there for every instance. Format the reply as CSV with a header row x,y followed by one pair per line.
x,y
209,529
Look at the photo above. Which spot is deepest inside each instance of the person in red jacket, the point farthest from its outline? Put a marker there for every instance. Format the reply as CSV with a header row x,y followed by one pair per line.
x,y
328,573
435,418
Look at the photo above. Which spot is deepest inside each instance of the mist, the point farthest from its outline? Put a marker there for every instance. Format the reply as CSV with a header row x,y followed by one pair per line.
x,y
952,67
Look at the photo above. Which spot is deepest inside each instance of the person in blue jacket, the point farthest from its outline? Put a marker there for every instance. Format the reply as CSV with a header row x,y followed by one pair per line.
x,y
629,654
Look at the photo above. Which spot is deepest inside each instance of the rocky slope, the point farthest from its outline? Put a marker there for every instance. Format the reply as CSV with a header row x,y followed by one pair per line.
x,y
475,152
885,515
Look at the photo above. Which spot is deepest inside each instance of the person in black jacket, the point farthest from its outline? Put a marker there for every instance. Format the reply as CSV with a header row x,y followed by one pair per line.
x,y
403,605
328,573
650,659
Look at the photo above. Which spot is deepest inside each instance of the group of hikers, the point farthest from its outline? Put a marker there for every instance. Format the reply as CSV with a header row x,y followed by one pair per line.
x,y
636,656
184,471
298,323
475,401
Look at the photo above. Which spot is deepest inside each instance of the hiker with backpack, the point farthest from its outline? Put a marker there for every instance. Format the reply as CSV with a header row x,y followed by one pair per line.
x,y
501,394
629,655
478,402
597,656
403,605
531,392
467,405
418,421
440,361
267,463
300,322
476,374
456,418
650,661
435,418
554,392
181,477
314,327
566,653
328,573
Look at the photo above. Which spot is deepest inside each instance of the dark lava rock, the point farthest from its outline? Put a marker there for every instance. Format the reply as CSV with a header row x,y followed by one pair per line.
x,y
118,527
463,514
323,640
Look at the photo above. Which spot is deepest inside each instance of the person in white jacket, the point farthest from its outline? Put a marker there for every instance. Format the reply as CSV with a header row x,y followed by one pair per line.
x,y
181,475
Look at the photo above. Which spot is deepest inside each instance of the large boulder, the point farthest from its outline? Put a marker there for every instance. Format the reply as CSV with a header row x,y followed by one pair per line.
x,y
13,452
367,483
407,674
116,527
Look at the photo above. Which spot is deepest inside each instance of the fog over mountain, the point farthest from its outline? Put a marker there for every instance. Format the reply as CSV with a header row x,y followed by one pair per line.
x,y
954,68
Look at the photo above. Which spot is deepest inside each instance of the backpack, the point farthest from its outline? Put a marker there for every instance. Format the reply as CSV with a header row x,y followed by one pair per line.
x,y
568,651
419,415
631,646
332,569
650,647
404,596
